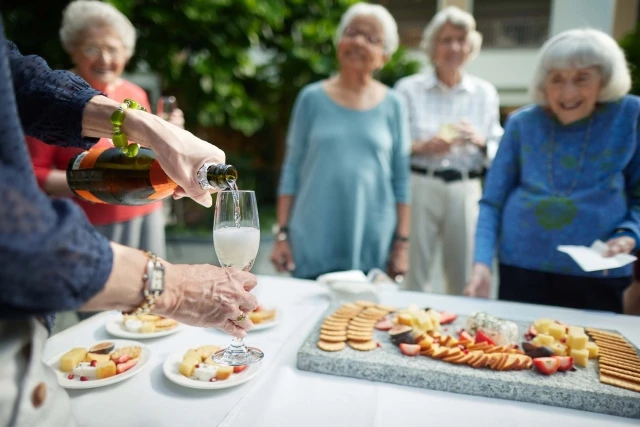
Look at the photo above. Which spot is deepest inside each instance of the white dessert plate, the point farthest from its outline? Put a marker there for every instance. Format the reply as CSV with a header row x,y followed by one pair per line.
x,y
115,327
75,383
171,371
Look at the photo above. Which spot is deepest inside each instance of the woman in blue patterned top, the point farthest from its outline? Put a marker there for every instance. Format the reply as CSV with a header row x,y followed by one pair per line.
x,y
567,173
344,187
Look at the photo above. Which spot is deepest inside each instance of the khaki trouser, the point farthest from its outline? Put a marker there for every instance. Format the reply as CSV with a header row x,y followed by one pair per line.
x,y
446,214
29,391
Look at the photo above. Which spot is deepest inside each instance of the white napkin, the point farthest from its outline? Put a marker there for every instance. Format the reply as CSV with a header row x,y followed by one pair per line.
x,y
591,259
343,276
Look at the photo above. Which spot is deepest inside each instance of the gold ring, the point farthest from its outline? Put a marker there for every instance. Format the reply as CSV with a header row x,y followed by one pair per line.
x,y
241,318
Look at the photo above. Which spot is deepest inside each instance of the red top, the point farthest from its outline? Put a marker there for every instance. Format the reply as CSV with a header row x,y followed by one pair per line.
x,y
46,158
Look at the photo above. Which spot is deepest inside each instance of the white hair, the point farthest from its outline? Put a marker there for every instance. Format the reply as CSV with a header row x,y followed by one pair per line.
x,y
381,14
459,19
582,48
79,15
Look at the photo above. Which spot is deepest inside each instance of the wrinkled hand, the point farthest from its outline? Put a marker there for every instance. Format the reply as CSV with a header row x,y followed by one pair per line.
x,y
479,284
208,296
619,245
177,118
281,257
468,135
434,146
180,155
398,262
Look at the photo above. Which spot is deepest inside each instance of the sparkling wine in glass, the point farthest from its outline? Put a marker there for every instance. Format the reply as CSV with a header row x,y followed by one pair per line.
x,y
166,105
236,238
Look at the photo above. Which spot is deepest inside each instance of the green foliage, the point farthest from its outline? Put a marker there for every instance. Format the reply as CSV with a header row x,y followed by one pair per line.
x,y
631,45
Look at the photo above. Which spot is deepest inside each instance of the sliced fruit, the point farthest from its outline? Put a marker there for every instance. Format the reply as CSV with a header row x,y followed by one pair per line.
x,y
566,363
409,349
401,334
446,317
465,336
123,367
238,369
482,337
122,359
384,325
102,348
532,331
547,365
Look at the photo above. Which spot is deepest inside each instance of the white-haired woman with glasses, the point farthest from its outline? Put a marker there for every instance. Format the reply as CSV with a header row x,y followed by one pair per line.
x,y
344,186
567,173
455,129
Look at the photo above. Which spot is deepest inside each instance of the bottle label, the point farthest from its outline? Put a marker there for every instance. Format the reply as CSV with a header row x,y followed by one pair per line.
x,y
76,163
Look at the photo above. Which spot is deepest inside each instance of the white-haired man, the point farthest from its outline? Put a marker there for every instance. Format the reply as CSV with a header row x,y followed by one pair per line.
x,y
455,129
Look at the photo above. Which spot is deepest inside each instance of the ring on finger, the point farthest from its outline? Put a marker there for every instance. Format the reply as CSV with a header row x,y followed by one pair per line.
x,y
241,317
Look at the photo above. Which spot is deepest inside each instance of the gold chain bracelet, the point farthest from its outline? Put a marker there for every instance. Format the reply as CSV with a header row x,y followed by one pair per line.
x,y
119,138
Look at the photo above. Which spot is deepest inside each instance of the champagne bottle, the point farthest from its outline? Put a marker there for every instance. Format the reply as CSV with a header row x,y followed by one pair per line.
x,y
106,175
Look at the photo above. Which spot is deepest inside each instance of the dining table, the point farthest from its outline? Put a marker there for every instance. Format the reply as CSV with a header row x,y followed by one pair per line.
x,y
282,395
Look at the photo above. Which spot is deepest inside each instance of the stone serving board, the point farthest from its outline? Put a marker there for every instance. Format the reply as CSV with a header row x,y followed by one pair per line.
x,y
580,390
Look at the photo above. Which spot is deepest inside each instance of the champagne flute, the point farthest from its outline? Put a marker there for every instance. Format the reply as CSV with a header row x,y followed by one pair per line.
x,y
236,238
166,105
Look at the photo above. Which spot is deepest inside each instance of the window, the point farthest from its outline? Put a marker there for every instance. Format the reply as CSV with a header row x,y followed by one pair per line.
x,y
411,16
506,24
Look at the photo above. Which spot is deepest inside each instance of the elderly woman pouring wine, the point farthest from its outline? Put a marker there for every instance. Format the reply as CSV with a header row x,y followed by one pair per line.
x,y
344,185
567,173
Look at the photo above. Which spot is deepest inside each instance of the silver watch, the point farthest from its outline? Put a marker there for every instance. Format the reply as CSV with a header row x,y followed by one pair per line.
x,y
153,277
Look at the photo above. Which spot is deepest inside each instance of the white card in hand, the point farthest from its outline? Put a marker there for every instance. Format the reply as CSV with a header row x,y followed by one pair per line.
x,y
591,259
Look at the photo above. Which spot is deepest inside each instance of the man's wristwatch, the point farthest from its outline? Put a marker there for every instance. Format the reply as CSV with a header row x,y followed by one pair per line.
x,y
280,232
153,282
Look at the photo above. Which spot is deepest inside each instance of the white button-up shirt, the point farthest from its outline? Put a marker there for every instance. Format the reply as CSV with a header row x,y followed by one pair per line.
x,y
431,104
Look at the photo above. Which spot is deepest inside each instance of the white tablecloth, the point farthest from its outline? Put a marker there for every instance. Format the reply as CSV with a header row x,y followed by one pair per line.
x,y
284,396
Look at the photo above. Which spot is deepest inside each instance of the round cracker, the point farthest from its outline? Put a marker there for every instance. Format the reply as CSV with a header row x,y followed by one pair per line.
x,y
365,304
363,346
331,346
332,333
360,338
387,308
333,338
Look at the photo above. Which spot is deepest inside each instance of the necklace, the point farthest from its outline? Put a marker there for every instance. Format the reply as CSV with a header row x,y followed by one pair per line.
x,y
583,155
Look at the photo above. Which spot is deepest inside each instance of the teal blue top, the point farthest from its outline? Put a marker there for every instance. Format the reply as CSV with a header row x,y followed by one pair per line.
x,y
530,206
347,169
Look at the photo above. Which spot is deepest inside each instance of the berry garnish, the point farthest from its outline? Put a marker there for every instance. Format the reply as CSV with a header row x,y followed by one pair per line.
x,y
71,376
94,362
83,378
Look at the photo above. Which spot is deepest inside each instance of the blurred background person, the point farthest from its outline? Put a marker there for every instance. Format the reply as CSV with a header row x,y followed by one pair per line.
x,y
455,129
567,173
100,41
344,186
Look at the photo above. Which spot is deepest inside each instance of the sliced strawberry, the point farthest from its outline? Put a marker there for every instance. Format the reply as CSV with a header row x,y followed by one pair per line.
x,y
446,317
409,349
122,359
547,365
481,337
465,336
384,325
532,331
565,363
123,367
238,369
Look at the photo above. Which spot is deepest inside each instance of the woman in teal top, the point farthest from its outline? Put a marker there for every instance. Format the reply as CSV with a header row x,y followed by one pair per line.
x,y
567,173
344,185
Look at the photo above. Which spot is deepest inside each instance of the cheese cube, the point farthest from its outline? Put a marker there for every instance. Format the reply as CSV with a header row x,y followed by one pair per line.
x,y
544,340
97,357
542,325
72,358
579,342
592,348
105,369
580,357
187,366
559,349
576,330
224,372
557,331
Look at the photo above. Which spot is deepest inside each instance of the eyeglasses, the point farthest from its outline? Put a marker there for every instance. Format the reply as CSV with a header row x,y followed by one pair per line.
x,y
449,41
372,39
95,51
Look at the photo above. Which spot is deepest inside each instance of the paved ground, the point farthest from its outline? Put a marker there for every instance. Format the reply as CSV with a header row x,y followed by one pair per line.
x,y
201,251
